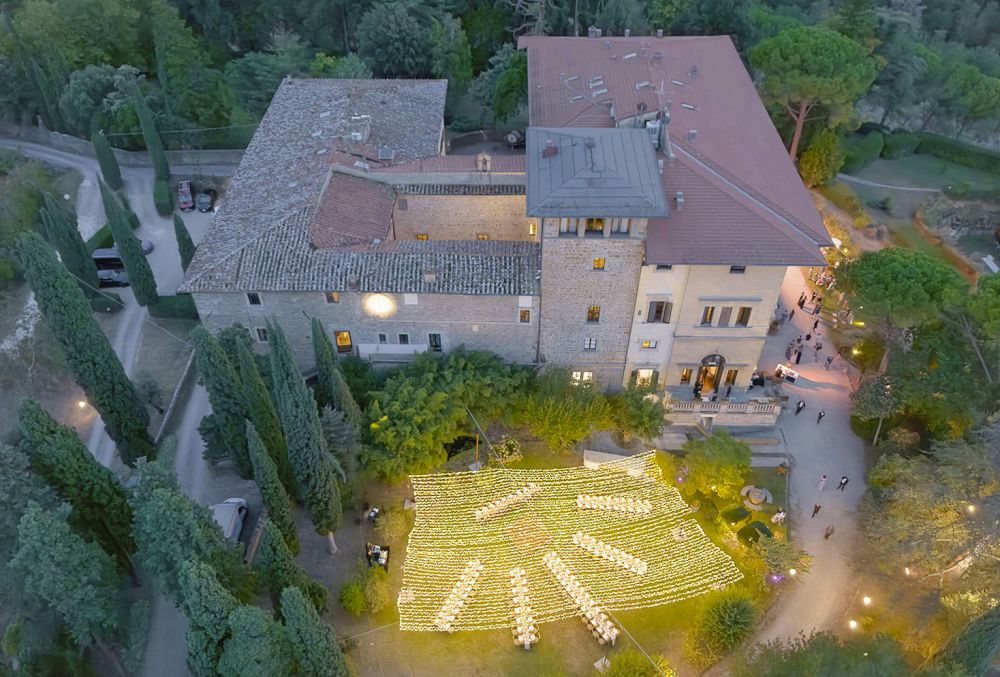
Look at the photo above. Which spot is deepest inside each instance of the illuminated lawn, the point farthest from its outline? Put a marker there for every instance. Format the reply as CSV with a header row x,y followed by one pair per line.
x,y
629,544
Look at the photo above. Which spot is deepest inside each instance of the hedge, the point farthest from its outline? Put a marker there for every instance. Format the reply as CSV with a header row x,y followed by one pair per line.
x,y
861,152
841,195
959,152
900,145
162,198
103,304
102,239
180,306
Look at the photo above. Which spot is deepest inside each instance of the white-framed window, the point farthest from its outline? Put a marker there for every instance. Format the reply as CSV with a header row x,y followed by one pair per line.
x,y
409,299
262,334
253,298
743,317
581,377
590,343
568,225
659,311
643,377
332,296
620,226
707,314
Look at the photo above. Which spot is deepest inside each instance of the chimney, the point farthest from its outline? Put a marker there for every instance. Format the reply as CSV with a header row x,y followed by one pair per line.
x,y
692,134
659,32
659,165
430,276
628,32
550,150
593,32
679,198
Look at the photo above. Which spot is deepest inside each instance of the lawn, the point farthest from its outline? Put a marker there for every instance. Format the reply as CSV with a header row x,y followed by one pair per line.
x,y
927,171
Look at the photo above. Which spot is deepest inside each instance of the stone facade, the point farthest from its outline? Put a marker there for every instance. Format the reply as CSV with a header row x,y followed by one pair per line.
x,y
461,217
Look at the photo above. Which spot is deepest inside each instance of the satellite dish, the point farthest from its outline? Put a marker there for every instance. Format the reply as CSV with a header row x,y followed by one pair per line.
x,y
641,107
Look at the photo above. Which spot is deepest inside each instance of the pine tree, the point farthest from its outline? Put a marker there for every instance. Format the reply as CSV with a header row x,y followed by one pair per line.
x,y
279,569
279,506
60,229
225,396
971,651
154,144
86,349
184,243
101,510
313,642
344,400
257,646
260,411
207,606
307,453
107,160
326,363
140,275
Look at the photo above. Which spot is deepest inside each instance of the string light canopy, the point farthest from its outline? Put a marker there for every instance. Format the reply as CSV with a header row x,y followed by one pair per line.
x,y
619,530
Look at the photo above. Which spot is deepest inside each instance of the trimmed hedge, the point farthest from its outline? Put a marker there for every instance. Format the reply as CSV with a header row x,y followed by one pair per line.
x,y
102,239
861,152
959,152
180,306
162,198
103,304
900,145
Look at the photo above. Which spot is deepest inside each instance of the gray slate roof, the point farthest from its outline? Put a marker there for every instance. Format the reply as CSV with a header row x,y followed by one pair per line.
x,y
592,172
281,259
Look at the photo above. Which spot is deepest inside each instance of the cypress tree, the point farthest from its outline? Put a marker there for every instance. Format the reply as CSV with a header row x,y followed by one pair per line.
x,y
257,646
279,506
972,650
325,363
260,411
207,605
100,503
313,643
344,400
61,230
106,159
225,395
154,144
231,337
279,569
184,243
86,349
342,442
140,275
50,99
313,467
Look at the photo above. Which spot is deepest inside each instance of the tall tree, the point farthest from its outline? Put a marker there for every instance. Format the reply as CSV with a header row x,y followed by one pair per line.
x,y
450,56
140,275
971,652
307,453
279,569
716,17
856,20
824,654
206,605
257,646
809,67
873,399
344,400
326,363
100,503
225,395
717,465
110,171
313,643
185,245
342,441
87,350
260,410
393,41
61,230
151,136
279,506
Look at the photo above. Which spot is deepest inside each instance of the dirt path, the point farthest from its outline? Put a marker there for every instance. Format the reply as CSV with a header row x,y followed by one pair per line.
x,y
866,182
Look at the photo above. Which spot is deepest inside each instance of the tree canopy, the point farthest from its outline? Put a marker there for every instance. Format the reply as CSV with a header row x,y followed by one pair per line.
x,y
717,465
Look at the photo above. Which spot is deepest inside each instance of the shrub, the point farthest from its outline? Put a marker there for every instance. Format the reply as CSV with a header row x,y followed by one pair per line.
x,y
631,663
728,619
391,525
465,124
562,413
899,145
821,160
102,239
958,152
133,218
508,449
352,597
162,198
862,152
375,584
103,304
180,306
841,195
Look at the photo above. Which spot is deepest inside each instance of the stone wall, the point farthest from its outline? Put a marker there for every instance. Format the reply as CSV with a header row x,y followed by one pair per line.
x,y
479,322
461,217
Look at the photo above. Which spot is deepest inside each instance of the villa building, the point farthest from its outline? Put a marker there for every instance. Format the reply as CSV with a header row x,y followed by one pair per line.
x,y
642,236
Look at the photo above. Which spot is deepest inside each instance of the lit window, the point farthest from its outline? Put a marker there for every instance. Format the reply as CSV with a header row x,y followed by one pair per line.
x,y
595,226
594,314
582,377
253,298
421,236
707,314
525,316
382,338
590,343
262,334
643,377
660,311
686,375
649,344
743,317
599,263
731,376
343,340
532,229
332,297
404,339
737,270
482,236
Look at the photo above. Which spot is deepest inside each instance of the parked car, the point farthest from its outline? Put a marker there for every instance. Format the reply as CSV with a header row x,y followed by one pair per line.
x,y
205,199
107,259
112,278
229,515
184,196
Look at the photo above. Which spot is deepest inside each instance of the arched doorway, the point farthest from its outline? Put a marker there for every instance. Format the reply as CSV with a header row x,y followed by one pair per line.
x,y
710,374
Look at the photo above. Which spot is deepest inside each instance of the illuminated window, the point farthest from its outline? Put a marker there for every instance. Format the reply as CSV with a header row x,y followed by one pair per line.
x,y
594,314
590,343
482,236
343,341
643,377
262,334
421,236
253,298
686,375
582,377
743,317
599,263
731,376
595,226
707,314
525,316
532,229
333,297
649,344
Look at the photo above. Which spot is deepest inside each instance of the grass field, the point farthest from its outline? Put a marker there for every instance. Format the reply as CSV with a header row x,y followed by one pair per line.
x,y
927,171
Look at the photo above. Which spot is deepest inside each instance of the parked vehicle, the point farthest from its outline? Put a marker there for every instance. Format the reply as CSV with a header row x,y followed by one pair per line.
x,y
184,199
229,515
205,199
112,278
107,259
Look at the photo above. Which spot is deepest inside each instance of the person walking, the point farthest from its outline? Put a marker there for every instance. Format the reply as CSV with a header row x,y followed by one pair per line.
x,y
819,306
798,356
788,352
829,361
791,315
843,482
809,337
813,297
815,324
816,508
828,533
799,407
822,483
802,300
819,417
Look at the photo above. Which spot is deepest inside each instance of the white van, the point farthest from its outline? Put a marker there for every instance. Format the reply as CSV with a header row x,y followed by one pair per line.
x,y
229,515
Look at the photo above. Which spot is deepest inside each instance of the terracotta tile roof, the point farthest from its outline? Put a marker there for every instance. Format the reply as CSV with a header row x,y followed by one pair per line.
x,y
352,210
457,164
711,99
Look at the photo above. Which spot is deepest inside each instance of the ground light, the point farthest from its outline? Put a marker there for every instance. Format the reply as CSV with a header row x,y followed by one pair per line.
x,y
81,404
866,600
852,624
971,509
793,571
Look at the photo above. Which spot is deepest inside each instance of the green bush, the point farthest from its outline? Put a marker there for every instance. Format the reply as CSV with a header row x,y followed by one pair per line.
x,y
133,218
352,598
840,194
375,585
465,124
959,152
180,306
728,619
162,198
899,145
821,160
391,525
103,304
102,239
861,152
